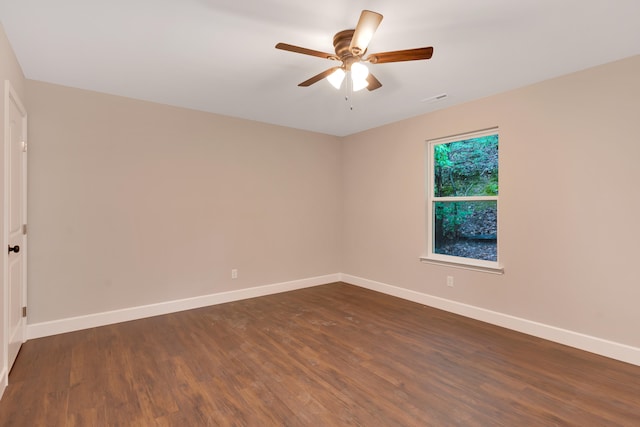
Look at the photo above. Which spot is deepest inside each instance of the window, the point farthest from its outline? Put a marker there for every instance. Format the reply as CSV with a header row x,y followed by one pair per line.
x,y
462,200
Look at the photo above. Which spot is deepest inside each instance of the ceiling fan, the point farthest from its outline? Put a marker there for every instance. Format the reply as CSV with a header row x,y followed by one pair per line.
x,y
351,47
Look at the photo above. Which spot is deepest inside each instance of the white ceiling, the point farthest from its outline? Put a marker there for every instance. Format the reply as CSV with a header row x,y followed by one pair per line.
x,y
219,55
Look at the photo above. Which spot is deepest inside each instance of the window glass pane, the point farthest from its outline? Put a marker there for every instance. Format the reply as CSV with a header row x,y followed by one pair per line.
x,y
466,168
466,229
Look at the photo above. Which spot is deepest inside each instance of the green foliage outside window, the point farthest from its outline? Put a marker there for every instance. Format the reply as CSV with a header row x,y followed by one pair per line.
x,y
466,168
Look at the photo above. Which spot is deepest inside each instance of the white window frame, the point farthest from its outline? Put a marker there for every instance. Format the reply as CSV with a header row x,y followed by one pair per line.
x,y
451,260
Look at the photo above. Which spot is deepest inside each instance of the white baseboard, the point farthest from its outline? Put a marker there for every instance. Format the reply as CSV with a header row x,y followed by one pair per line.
x,y
614,350
4,381
622,352
54,327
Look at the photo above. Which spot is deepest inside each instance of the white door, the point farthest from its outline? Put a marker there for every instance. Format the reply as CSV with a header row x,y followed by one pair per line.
x,y
15,209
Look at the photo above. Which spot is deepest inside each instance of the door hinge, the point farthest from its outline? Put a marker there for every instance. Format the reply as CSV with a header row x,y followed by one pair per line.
x,y
24,146
24,311
24,228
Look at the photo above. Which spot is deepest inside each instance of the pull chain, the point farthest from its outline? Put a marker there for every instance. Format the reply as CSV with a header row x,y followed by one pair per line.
x,y
348,91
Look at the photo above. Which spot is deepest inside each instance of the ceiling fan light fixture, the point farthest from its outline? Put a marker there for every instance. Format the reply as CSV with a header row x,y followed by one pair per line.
x,y
350,47
359,74
359,84
359,71
336,78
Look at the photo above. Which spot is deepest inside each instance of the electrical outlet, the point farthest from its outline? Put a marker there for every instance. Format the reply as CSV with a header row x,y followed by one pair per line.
x,y
450,281
234,273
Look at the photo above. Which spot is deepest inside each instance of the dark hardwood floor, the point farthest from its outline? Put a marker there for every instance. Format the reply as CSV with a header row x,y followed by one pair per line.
x,y
331,355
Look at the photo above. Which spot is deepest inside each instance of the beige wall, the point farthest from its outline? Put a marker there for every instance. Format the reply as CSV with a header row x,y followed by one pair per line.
x,y
133,203
569,203
9,70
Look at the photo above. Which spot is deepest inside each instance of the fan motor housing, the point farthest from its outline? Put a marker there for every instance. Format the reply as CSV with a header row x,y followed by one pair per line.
x,y
341,43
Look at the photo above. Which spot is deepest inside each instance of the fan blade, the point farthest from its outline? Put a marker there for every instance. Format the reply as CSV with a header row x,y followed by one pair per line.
x,y
373,83
305,51
318,77
401,55
367,26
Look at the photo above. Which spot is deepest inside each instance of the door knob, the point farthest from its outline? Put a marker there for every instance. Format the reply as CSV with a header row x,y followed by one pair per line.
x,y
15,249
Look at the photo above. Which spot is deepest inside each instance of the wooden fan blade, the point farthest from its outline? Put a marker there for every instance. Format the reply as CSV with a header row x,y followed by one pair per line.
x,y
367,26
373,82
305,51
318,77
401,55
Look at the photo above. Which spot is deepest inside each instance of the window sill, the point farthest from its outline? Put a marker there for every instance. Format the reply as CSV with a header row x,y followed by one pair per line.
x,y
464,265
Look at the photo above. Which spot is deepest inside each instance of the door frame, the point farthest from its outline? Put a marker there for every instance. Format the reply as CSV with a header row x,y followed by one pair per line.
x,y
11,96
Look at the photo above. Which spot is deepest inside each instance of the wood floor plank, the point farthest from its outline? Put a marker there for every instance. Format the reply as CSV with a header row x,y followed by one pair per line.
x,y
333,355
